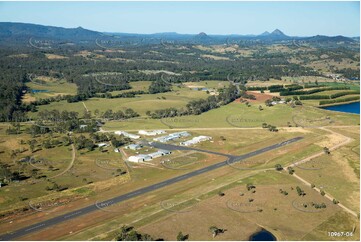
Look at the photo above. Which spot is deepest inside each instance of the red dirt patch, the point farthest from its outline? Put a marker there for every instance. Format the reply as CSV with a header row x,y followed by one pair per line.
x,y
260,97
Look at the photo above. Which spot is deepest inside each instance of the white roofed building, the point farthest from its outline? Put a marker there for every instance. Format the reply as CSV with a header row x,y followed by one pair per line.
x,y
139,158
172,136
102,144
134,146
148,157
159,153
196,140
132,136
151,133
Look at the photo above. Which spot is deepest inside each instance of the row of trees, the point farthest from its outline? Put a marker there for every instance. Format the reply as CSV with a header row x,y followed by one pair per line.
x,y
119,115
196,107
339,100
270,127
307,92
332,96
127,233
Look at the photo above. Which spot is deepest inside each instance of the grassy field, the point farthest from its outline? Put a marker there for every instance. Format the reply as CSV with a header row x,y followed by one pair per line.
x,y
52,166
239,115
325,65
142,103
321,232
337,173
135,86
241,217
52,86
207,84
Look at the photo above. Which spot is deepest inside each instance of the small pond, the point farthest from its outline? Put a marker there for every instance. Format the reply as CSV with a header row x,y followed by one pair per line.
x,y
263,235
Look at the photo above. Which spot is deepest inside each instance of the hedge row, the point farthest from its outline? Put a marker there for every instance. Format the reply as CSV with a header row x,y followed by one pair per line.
x,y
314,85
314,97
256,88
340,94
341,100
332,96
286,93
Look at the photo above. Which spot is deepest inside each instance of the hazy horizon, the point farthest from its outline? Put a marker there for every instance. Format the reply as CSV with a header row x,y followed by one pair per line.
x,y
213,18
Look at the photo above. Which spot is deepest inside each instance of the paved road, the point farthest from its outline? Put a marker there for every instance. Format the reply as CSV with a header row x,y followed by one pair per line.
x,y
141,191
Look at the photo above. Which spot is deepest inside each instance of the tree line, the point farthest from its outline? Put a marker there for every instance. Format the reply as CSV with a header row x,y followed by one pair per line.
x,y
196,107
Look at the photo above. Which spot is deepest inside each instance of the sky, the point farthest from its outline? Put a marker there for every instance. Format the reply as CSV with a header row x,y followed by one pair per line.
x,y
293,18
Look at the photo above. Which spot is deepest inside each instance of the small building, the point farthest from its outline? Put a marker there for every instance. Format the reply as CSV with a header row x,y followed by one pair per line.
x,y
139,158
134,146
98,123
196,140
181,134
103,145
202,138
164,139
278,102
131,136
159,153
151,133
172,136
116,150
83,126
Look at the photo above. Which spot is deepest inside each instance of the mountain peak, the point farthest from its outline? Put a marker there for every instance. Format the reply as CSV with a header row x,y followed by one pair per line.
x,y
265,33
202,34
202,37
277,32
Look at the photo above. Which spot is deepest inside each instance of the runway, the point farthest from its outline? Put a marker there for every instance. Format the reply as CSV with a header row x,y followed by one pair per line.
x,y
60,219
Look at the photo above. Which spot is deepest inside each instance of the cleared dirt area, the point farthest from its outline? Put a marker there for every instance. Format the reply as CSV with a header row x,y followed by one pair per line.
x,y
27,98
88,54
55,57
19,56
214,57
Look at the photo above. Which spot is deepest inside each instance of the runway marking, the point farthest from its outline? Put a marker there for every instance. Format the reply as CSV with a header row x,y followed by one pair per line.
x,y
40,225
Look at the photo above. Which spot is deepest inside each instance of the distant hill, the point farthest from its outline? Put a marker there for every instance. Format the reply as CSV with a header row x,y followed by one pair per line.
x,y
274,35
8,29
277,32
322,38
202,38
20,33
266,33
